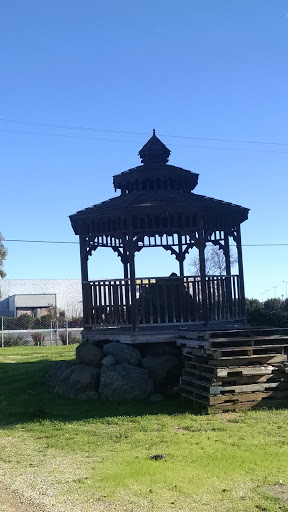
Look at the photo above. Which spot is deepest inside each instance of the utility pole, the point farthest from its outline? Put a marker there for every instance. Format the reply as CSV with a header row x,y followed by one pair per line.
x,y
274,288
286,282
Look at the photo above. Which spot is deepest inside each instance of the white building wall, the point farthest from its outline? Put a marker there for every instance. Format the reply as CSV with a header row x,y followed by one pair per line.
x,y
68,292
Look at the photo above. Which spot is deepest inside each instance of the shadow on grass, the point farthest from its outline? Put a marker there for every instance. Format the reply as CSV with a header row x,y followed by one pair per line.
x,y
25,397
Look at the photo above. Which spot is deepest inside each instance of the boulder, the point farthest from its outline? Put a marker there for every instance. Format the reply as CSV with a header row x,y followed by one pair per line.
x,y
122,353
89,353
56,371
109,360
163,369
77,380
124,382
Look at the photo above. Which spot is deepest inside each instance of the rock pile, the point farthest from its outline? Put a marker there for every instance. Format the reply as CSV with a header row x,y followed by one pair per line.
x,y
115,371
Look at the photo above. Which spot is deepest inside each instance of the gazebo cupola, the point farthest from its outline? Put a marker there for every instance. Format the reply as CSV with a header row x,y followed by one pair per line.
x,y
158,208
154,152
155,173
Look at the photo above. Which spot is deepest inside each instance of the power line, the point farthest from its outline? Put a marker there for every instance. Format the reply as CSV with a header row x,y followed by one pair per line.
x,y
67,242
137,142
39,241
67,136
126,132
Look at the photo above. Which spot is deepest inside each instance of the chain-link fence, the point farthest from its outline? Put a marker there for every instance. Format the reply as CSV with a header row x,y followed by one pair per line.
x,y
25,330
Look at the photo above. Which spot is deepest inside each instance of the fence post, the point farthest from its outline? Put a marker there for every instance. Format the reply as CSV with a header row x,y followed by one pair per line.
x,y
2,332
67,341
57,325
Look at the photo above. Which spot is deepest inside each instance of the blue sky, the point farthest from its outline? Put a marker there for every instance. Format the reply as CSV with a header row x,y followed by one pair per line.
x,y
204,70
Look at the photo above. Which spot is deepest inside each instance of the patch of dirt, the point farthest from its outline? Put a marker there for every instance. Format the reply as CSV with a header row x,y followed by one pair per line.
x,y
9,502
278,491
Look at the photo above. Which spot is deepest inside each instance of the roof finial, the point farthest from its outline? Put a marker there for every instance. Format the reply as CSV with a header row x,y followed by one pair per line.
x,y
153,131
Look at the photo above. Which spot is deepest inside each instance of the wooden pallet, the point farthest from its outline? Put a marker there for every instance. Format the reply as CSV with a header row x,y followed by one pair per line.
x,y
231,373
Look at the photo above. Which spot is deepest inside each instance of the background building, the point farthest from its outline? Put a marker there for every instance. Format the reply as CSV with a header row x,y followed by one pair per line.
x,y
34,296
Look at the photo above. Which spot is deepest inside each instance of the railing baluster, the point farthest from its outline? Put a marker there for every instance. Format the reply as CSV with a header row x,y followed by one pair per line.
x,y
110,305
165,303
119,287
188,300
218,300
94,304
209,296
173,302
150,291
158,302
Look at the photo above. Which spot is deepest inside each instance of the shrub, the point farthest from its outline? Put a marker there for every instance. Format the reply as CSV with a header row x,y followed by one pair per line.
x,y
18,340
71,339
38,338
271,313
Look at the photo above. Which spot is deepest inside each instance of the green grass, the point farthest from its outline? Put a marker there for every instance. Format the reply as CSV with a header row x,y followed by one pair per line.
x,y
90,456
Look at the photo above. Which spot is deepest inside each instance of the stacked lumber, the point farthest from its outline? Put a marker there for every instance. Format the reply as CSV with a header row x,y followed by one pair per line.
x,y
234,370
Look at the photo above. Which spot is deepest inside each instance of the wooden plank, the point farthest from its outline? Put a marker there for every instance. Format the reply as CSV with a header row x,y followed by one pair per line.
x,y
246,379
249,351
216,390
234,354
242,360
248,397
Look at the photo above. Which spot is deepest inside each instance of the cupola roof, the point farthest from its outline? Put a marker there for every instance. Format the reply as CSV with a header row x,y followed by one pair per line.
x,y
154,152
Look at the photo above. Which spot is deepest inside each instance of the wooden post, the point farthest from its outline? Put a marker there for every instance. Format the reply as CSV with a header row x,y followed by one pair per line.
x,y
125,264
201,249
181,256
86,303
134,314
241,273
226,251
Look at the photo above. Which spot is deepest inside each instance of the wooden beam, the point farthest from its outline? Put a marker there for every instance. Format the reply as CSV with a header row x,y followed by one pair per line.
x,y
226,251
86,298
181,256
241,272
205,312
134,315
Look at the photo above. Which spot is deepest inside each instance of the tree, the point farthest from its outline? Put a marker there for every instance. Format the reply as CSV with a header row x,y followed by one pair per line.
x,y
214,262
3,254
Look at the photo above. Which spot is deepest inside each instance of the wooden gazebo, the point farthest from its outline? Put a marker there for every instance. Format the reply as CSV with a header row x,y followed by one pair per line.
x,y
158,208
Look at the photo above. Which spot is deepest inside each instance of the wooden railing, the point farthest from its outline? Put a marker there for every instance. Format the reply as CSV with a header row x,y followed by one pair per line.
x,y
162,300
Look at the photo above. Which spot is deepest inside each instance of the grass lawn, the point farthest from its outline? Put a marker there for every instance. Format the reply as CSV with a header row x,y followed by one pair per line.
x,y
69,455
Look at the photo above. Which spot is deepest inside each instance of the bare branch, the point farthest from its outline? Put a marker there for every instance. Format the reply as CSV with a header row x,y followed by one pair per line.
x,y
214,261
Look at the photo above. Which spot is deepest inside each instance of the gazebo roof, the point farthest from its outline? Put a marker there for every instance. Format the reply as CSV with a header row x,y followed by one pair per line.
x,y
157,171
168,202
160,189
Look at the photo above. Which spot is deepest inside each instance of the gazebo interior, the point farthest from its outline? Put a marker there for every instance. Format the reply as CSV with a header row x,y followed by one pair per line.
x,y
158,208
